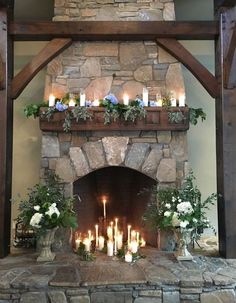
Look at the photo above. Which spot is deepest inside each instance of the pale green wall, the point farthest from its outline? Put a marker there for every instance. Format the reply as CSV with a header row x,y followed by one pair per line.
x,y
201,138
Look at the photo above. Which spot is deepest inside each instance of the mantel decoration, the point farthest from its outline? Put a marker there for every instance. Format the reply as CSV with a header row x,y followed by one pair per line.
x,y
46,209
77,108
182,211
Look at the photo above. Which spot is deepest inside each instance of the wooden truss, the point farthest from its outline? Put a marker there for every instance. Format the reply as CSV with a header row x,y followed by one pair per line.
x,y
166,34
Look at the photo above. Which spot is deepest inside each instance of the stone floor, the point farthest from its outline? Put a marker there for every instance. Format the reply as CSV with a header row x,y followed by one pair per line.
x,y
158,278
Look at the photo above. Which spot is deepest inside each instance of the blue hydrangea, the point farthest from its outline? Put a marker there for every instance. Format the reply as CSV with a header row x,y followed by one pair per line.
x,y
60,106
112,98
140,101
88,103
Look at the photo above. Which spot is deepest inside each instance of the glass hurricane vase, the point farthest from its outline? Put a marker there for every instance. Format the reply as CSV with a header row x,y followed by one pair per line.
x,y
46,240
183,236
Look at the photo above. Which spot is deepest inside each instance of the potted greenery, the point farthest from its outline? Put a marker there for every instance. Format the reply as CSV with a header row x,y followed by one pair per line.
x,y
44,210
182,211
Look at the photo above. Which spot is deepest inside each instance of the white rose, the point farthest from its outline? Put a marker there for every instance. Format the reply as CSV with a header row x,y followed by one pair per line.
x,y
175,220
37,207
183,224
185,208
195,220
168,206
35,220
167,213
53,210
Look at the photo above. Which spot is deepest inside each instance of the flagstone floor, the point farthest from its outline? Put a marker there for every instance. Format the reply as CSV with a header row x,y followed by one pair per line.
x,y
157,278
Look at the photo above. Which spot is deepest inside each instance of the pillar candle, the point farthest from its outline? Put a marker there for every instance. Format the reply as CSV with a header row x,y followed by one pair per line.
x,y
96,234
104,208
137,237
133,235
82,99
182,100
77,243
89,235
173,99
87,244
126,99
143,243
129,228
101,243
119,240
110,248
145,96
51,101
158,100
71,103
109,233
128,257
134,247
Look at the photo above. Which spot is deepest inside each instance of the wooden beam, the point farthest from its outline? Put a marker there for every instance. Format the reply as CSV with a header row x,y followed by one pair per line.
x,y
114,30
226,146
6,3
177,50
49,52
229,57
224,3
6,134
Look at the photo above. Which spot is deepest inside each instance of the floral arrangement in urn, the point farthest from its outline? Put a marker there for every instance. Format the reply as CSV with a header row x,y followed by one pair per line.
x,y
181,210
45,209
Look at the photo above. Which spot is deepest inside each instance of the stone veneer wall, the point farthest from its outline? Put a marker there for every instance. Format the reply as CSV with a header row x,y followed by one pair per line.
x,y
117,67
162,155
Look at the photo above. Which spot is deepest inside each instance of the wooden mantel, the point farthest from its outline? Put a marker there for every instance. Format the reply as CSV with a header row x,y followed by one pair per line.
x,y
156,119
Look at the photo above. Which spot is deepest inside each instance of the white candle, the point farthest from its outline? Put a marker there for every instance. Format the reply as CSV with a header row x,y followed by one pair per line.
x,y
109,232
129,228
77,243
145,96
96,102
104,208
182,100
87,244
172,99
133,235
126,99
89,235
109,248
82,99
143,243
119,240
52,99
128,257
96,234
101,243
134,247
116,230
71,103
137,237
158,100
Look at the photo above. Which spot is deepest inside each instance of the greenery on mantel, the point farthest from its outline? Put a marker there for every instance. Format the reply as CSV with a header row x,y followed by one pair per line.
x,y
113,111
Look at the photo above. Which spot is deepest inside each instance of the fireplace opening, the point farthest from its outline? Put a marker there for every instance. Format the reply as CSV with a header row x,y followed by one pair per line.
x,y
125,192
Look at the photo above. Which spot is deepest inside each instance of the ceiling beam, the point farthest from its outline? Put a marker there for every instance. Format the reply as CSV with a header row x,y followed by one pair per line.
x,y
113,30
7,3
49,52
224,3
176,49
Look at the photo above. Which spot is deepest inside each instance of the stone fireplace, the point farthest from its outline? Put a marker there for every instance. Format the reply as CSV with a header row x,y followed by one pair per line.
x,y
116,163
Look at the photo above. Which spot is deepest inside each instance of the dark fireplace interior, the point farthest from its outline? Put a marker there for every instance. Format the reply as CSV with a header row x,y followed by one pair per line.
x,y
126,191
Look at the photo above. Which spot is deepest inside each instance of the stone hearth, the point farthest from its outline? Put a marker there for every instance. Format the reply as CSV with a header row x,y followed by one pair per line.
x,y
158,278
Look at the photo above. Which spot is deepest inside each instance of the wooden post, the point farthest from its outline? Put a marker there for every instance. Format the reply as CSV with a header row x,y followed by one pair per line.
x,y
226,138
6,130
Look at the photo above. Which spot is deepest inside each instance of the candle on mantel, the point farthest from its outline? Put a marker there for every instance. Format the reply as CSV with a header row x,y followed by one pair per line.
x,y
126,99
129,228
82,99
172,99
71,103
51,100
101,243
110,248
137,237
87,244
182,100
158,100
116,230
89,235
133,235
96,234
133,246
128,257
145,96
104,208
96,102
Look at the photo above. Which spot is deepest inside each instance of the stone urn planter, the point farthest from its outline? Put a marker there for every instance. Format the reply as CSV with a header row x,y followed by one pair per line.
x,y
46,240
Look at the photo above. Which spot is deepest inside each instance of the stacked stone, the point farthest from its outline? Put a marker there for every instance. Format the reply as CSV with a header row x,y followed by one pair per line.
x,y
116,67
162,155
